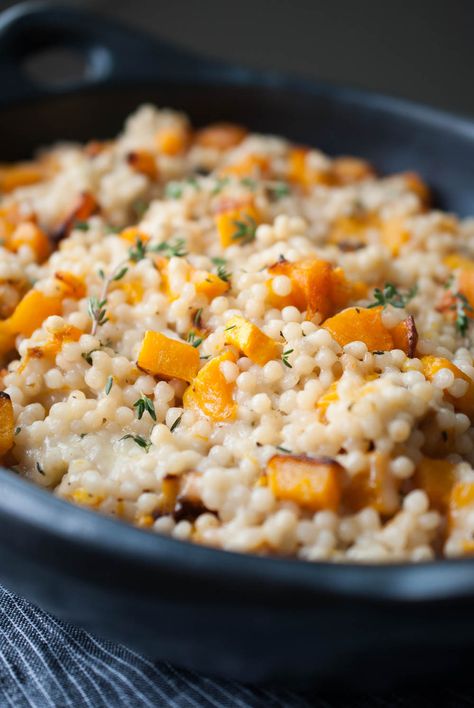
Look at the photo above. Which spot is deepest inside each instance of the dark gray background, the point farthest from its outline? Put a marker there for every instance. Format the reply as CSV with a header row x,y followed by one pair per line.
x,y
420,49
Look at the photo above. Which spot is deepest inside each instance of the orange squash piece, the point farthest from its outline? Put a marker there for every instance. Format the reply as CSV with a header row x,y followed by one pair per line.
x,y
250,166
394,234
363,324
211,393
211,286
350,232
21,174
220,136
228,225
86,205
347,170
31,312
374,487
29,234
7,423
172,141
433,364
71,285
132,234
250,340
301,173
436,478
415,184
312,483
144,162
162,356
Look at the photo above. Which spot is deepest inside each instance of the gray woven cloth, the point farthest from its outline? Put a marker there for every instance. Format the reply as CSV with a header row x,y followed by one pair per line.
x,y
46,663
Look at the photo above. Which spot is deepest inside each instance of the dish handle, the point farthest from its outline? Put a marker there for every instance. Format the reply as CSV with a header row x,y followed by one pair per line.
x,y
110,52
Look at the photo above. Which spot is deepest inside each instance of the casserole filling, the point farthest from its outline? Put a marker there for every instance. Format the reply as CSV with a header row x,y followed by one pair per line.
x,y
239,341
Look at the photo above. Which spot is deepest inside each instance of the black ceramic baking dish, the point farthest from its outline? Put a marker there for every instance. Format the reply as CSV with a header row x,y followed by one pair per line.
x,y
242,617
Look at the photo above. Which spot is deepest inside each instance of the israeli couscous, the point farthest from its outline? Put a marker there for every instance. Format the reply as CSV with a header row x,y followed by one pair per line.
x,y
239,341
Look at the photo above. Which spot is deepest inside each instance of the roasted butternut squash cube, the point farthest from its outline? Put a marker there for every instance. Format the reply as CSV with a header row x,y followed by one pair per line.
x,y
237,226
220,136
360,324
347,170
29,234
211,393
312,483
394,234
71,285
373,487
301,172
436,478
132,234
405,336
144,162
7,423
172,140
31,312
312,286
210,285
21,174
352,231
250,166
250,340
464,403
169,358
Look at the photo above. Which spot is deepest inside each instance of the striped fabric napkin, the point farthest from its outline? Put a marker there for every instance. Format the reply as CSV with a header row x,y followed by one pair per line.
x,y
45,663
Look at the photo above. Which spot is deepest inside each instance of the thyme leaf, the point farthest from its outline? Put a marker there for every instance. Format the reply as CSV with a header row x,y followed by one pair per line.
x,y
145,405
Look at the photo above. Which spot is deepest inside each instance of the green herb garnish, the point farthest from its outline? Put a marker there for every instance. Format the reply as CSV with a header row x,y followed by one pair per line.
x,y
81,226
284,357
175,249
194,339
108,385
390,295
246,230
176,423
145,405
139,440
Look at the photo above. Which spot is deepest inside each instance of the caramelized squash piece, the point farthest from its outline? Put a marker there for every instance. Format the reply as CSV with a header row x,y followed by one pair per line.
x,y
30,234
394,234
71,285
84,208
144,162
362,324
347,170
162,356
316,287
7,423
374,487
21,174
250,340
236,226
211,393
302,173
53,346
250,166
28,315
210,285
220,136
132,234
415,184
351,232
172,141
433,364
313,483
31,312
405,336
436,478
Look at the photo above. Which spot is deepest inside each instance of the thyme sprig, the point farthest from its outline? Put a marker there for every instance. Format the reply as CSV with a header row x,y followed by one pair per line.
x,y
246,230
193,339
138,440
96,306
390,295
462,308
284,358
145,405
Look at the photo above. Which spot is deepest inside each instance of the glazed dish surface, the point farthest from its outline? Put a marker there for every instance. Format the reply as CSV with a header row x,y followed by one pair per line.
x,y
239,341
